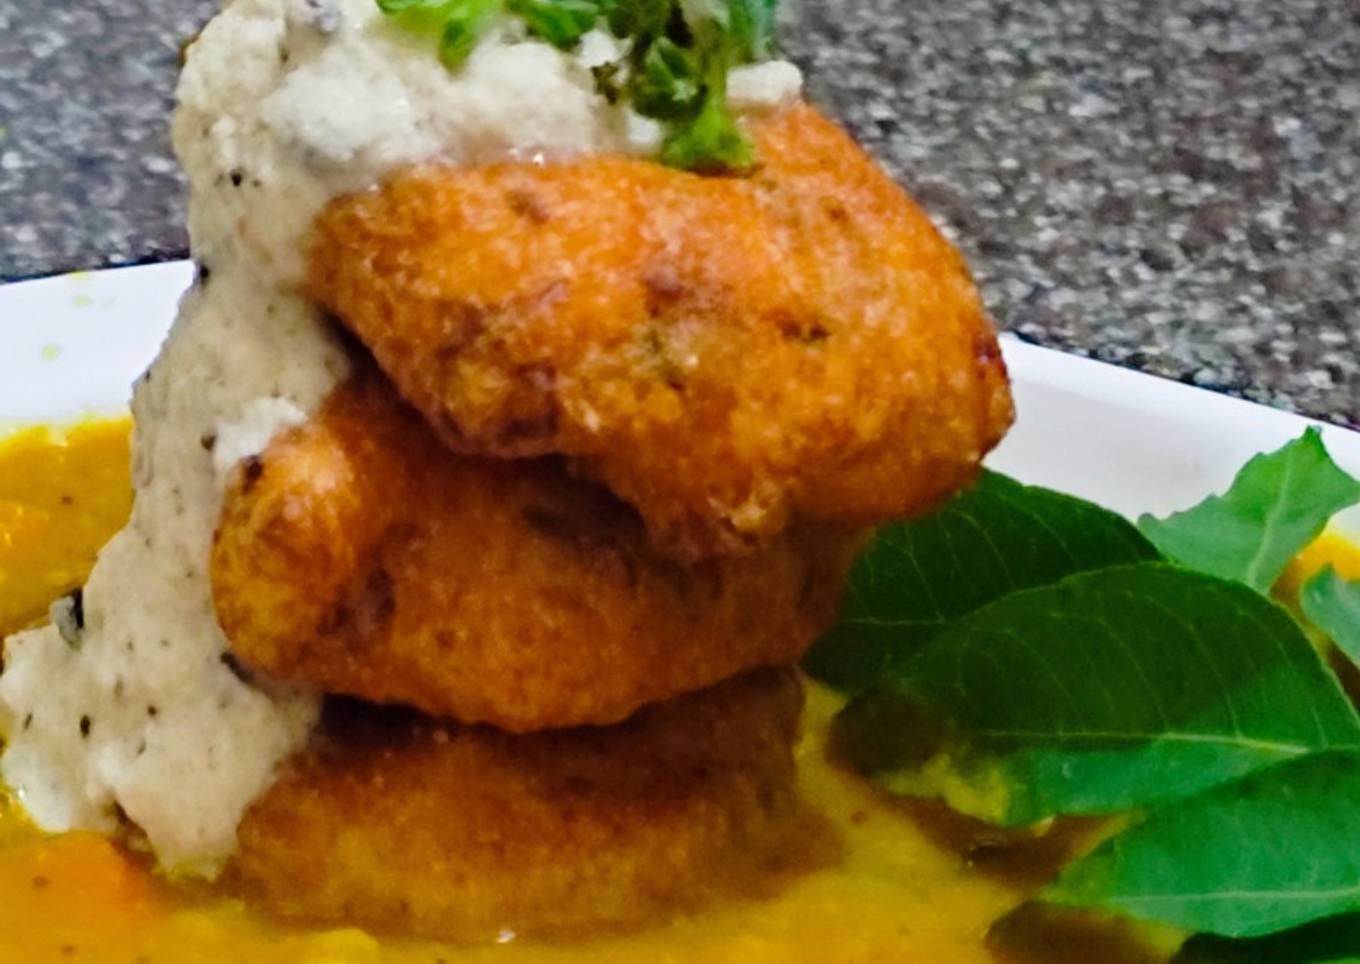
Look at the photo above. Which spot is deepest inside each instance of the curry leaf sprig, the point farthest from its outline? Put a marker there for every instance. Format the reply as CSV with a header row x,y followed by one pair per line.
x,y
679,53
1022,654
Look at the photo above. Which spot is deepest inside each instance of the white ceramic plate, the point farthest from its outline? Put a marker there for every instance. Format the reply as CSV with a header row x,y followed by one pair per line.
x,y
72,345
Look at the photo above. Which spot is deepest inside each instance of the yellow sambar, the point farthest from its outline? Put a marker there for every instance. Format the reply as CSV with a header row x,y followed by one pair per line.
x,y
914,882
61,497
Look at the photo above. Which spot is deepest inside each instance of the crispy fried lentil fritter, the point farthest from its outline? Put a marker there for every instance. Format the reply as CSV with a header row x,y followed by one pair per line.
x,y
398,823
359,556
724,354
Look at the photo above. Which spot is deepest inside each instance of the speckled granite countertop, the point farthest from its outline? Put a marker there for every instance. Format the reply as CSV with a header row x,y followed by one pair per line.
x,y
1168,184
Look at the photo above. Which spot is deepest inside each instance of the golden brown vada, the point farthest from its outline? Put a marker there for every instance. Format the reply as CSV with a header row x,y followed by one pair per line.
x,y
395,822
359,556
723,353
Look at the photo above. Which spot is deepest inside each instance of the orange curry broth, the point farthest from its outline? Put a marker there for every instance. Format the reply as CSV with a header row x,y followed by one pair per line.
x,y
914,883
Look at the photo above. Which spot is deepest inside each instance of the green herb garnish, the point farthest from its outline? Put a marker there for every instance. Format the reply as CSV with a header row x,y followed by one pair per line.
x,y
752,23
560,22
464,29
1023,655
675,71
712,143
671,84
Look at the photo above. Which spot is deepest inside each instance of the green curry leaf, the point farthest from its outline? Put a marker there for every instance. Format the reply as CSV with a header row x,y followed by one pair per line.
x,y
1278,503
918,577
1333,605
1275,850
1335,940
1110,690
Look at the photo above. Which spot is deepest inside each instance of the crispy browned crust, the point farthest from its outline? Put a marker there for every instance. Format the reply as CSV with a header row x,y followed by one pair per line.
x,y
722,353
397,823
360,556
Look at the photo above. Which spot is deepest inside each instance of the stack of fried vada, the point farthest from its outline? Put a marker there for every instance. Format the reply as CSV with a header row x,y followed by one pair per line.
x,y
614,435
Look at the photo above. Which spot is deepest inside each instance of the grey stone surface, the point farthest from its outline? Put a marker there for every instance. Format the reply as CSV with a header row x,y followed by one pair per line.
x,y
1172,185
86,176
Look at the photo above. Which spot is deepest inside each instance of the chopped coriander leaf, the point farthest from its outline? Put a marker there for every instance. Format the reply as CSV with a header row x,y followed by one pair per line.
x,y
642,20
675,71
669,84
402,6
467,22
560,22
420,16
752,27
713,143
